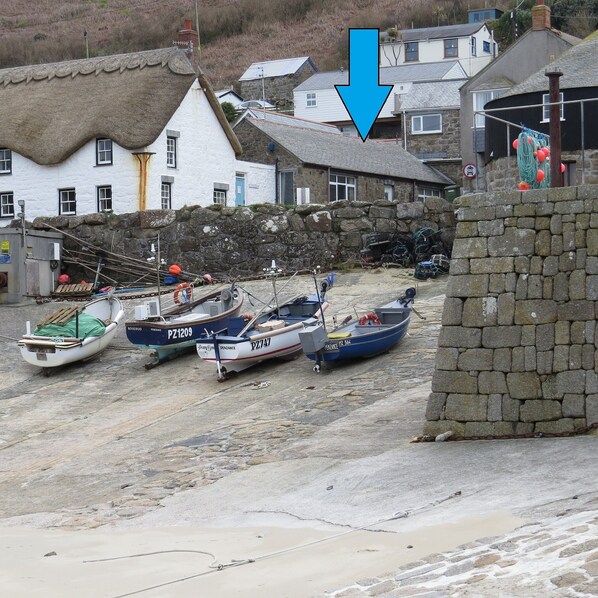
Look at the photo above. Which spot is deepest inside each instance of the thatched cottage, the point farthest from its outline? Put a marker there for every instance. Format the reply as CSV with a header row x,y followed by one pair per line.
x,y
117,133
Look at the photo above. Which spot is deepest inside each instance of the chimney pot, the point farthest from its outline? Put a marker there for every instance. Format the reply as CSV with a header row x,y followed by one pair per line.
x,y
188,25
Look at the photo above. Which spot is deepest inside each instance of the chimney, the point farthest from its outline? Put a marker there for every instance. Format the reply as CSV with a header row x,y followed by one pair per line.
x,y
188,40
540,16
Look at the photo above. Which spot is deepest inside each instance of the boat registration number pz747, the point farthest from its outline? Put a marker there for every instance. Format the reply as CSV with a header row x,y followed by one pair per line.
x,y
263,342
179,333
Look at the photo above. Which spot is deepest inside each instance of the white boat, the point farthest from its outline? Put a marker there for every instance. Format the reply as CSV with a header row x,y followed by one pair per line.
x,y
273,332
72,333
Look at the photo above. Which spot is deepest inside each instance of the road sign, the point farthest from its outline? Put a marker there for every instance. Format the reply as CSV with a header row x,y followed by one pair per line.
x,y
470,171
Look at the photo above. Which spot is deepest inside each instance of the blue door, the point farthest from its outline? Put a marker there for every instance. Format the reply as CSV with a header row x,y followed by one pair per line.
x,y
240,190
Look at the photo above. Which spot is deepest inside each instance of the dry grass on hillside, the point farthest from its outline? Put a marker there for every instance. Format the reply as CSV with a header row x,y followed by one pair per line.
x,y
235,33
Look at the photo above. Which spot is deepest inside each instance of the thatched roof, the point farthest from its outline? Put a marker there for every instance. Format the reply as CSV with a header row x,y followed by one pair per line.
x,y
48,111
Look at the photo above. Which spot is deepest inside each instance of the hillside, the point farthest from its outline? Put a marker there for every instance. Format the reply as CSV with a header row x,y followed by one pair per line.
x,y
234,33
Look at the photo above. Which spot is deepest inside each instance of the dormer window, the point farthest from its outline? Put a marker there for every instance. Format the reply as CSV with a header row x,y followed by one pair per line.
x,y
103,152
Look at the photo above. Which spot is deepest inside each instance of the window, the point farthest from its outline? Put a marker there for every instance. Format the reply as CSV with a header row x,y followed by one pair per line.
x,y
7,204
424,192
104,194
480,99
474,46
389,192
171,152
103,152
166,196
411,51
426,123
67,202
285,182
451,49
486,47
546,107
220,196
342,187
5,161
311,100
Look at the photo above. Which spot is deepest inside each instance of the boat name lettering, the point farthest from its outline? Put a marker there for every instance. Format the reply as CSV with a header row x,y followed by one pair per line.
x,y
335,346
227,347
180,333
136,328
263,342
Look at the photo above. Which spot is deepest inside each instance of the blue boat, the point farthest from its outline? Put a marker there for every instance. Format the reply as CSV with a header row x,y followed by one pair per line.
x,y
174,331
374,333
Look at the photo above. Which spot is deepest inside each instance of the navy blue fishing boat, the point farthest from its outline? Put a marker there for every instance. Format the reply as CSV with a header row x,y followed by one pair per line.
x,y
374,333
173,331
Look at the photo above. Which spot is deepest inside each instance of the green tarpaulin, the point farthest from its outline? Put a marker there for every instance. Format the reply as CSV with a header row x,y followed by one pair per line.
x,y
88,326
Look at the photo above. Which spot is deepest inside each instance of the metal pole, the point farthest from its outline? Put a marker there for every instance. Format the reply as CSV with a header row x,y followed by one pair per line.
x,y
158,272
556,176
583,147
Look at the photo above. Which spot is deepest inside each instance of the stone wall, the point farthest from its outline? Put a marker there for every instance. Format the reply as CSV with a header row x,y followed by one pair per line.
x,y
517,351
242,241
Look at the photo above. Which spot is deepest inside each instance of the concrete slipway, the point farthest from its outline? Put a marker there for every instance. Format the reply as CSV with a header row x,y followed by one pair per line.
x,y
117,481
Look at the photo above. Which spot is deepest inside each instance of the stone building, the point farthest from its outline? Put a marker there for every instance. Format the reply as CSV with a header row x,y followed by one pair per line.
x,y
274,80
315,163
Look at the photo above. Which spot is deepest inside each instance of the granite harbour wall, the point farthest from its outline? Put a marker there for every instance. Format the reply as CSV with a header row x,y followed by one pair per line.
x,y
518,347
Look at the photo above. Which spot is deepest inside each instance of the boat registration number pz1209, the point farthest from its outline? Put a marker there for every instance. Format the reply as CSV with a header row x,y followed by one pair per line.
x,y
263,342
178,333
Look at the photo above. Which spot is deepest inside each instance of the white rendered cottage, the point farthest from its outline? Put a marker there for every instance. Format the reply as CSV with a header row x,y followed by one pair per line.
x,y
117,133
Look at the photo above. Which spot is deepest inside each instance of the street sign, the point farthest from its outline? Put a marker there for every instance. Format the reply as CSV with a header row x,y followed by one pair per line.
x,y
470,171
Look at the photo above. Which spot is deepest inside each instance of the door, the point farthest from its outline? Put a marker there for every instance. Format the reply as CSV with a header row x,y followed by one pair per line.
x,y
240,190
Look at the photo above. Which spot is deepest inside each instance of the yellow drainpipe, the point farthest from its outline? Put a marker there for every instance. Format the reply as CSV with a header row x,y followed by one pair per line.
x,y
142,159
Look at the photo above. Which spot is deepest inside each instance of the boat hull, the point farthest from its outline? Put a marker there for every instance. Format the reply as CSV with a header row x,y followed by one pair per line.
x,y
49,352
177,333
376,333
235,353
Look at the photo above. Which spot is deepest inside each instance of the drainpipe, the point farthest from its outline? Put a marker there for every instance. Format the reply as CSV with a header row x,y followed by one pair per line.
x,y
142,160
404,130
276,182
556,176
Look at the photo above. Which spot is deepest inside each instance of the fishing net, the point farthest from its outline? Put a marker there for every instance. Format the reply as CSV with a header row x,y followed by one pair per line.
x,y
533,159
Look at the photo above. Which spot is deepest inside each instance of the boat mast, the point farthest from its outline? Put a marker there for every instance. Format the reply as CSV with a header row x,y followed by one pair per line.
x,y
273,271
159,262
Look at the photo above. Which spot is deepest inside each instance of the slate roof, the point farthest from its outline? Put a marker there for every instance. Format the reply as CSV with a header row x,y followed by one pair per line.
x,y
579,66
348,153
286,119
388,75
275,68
443,32
48,111
433,94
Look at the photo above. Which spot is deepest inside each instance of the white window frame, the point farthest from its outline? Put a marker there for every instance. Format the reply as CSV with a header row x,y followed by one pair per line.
x,y
67,201
424,192
311,100
418,126
103,151
5,161
104,197
474,46
219,197
339,182
479,120
409,51
546,107
486,47
7,204
166,196
171,151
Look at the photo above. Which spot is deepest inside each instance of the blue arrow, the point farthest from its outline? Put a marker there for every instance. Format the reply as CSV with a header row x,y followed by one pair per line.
x,y
363,97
